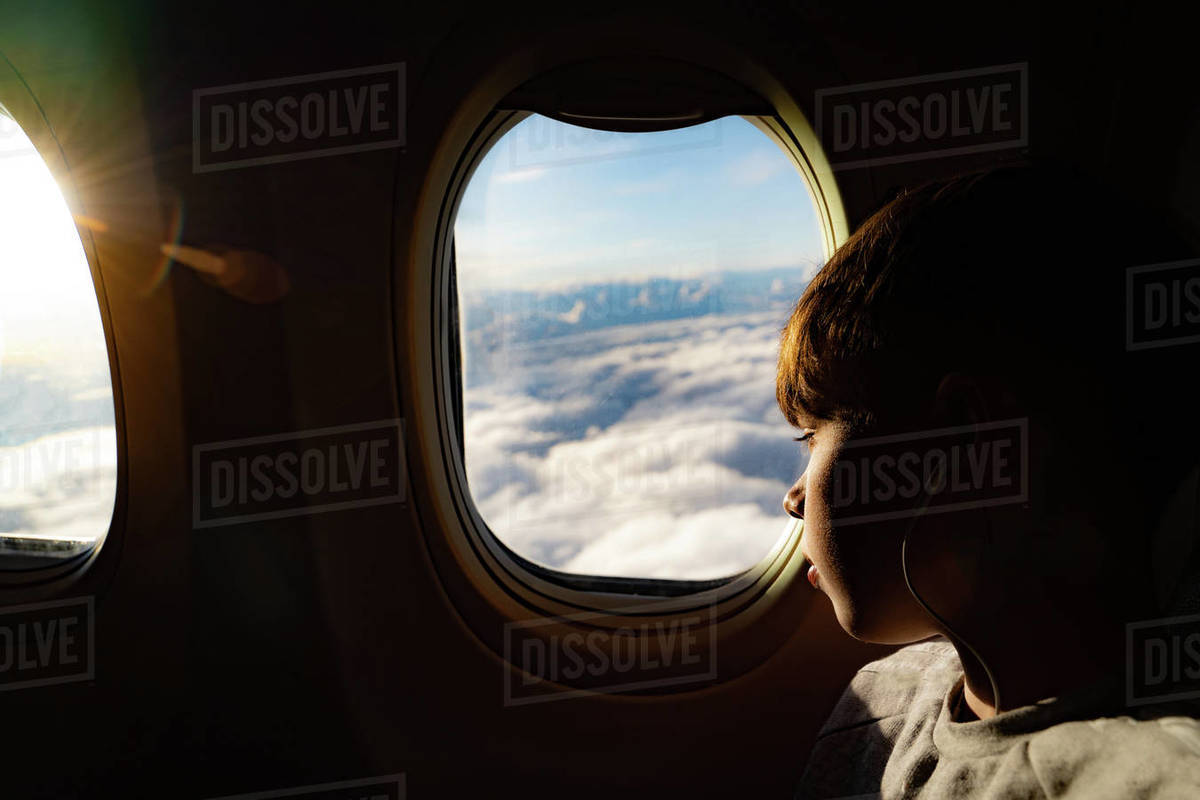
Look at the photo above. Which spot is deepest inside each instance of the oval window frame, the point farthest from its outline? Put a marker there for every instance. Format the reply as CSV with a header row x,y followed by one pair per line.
x,y
494,589
52,578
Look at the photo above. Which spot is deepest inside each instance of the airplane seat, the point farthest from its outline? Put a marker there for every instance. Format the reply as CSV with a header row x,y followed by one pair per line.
x,y
1176,550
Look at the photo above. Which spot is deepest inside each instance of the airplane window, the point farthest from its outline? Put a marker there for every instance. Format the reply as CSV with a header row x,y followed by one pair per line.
x,y
620,302
58,469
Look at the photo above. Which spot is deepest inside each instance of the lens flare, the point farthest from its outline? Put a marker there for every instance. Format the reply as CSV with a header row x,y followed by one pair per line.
x,y
174,237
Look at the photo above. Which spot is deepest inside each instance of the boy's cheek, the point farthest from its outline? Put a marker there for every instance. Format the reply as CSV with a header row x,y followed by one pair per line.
x,y
819,486
866,586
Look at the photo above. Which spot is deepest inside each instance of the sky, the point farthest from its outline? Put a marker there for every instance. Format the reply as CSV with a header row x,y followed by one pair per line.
x,y
553,203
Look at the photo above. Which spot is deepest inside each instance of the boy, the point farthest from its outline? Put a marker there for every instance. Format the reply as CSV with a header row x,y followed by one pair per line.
x,y
971,337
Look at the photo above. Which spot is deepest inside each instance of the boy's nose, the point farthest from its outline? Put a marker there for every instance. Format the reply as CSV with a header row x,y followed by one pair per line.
x,y
793,501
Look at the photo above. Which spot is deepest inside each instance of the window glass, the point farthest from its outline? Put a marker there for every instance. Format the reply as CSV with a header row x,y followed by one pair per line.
x,y
58,464
621,297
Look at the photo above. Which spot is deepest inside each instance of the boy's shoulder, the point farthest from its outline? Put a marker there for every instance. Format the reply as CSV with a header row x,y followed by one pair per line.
x,y
914,678
1123,756
890,732
893,701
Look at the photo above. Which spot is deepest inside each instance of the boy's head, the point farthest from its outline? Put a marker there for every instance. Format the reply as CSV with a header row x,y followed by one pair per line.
x,y
990,297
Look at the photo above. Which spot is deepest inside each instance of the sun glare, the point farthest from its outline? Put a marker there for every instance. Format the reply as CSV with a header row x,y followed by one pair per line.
x,y
48,303
57,436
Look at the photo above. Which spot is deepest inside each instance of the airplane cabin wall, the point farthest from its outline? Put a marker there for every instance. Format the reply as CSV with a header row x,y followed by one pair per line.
x,y
322,648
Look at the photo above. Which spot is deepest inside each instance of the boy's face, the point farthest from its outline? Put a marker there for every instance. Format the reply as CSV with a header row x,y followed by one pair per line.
x,y
857,566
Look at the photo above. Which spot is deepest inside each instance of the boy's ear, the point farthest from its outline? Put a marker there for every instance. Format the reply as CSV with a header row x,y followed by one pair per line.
x,y
960,399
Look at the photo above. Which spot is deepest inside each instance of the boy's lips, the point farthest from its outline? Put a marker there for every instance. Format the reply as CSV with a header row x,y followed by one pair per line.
x,y
812,573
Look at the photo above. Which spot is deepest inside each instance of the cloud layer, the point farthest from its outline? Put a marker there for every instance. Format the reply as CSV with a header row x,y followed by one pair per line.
x,y
645,450
59,486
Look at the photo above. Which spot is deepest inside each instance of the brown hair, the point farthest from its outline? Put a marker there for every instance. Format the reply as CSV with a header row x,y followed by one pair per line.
x,y
965,275
1018,274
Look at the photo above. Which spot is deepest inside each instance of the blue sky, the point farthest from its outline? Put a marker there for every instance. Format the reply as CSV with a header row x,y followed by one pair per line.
x,y
554,204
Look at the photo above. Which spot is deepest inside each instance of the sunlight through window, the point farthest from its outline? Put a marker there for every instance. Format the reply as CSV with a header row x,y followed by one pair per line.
x,y
58,466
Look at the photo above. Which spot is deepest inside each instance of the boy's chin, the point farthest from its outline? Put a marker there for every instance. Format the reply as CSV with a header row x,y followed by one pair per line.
x,y
880,627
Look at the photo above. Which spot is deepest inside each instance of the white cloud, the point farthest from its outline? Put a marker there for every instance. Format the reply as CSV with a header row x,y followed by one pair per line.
x,y
711,543
756,167
575,313
60,485
520,175
651,450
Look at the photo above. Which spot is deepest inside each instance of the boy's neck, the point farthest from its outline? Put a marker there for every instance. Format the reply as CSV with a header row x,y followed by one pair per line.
x,y
1036,663
981,707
